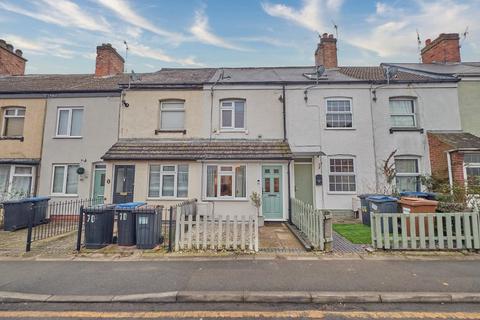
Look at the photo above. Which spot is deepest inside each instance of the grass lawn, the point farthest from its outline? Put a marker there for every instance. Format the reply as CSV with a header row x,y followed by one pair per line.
x,y
355,233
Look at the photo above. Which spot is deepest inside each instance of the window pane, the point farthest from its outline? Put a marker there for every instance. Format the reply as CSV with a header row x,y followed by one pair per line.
x,y
4,177
182,181
401,106
14,127
473,176
10,112
471,158
168,168
276,184
226,186
58,174
154,185
211,181
406,165
403,121
23,170
226,118
172,105
72,179
76,129
21,185
239,114
342,183
172,120
63,122
20,112
341,165
240,182
407,184
168,185
266,185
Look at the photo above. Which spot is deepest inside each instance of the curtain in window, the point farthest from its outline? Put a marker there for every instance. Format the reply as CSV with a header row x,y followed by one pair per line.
x,y
14,127
182,181
239,114
154,186
172,120
168,185
22,185
406,166
4,177
240,182
226,118
211,181
76,127
407,184
63,122
401,106
72,180
58,175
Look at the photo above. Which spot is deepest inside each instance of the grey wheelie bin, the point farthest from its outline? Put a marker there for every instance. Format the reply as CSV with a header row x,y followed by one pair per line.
x,y
383,204
365,208
148,227
16,212
126,222
99,226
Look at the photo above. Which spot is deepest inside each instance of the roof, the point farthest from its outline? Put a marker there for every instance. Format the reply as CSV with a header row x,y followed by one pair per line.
x,y
378,74
174,76
453,69
458,140
198,149
58,83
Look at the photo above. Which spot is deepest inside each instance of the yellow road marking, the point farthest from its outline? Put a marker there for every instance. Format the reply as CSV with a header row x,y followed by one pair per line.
x,y
318,314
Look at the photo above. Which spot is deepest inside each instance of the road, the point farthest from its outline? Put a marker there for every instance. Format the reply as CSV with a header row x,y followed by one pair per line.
x,y
116,278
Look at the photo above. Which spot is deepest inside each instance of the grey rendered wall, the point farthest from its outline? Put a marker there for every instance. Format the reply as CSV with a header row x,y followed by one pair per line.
x,y
99,132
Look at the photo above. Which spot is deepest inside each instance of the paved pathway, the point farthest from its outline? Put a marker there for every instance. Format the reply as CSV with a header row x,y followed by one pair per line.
x,y
342,245
275,237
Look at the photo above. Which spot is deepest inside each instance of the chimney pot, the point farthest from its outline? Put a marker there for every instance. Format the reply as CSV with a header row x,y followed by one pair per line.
x,y
330,36
9,47
19,52
325,35
427,42
444,49
3,43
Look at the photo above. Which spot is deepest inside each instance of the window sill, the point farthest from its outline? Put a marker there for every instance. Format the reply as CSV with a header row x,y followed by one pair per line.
x,y
13,138
392,130
340,193
62,195
166,199
347,129
158,131
226,199
233,131
67,137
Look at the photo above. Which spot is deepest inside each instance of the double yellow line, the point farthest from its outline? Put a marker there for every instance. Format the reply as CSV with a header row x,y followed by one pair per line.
x,y
317,314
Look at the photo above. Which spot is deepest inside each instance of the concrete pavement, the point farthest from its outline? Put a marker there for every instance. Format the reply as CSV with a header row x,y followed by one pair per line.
x,y
139,277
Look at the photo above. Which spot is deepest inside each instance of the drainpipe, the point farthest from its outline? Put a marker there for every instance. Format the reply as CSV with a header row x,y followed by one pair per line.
x,y
450,176
289,193
284,105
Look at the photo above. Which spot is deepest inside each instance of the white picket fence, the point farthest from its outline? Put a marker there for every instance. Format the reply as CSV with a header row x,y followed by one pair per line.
x,y
425,231
315,224
230,232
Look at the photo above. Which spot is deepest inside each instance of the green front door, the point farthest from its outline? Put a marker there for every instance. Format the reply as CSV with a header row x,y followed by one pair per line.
x,y
304,182
272,199
99,183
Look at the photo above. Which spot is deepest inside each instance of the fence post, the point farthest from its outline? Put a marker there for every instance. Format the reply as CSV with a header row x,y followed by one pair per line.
x,y
170,230
31,217
80,227
328,231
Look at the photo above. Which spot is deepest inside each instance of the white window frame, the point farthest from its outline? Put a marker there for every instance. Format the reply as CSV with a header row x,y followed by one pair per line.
x,y
16,115
469,165
69,125
409,174
64,183
414,114
167,173
12,174
232,109
354,174
350,100
162,110
221,173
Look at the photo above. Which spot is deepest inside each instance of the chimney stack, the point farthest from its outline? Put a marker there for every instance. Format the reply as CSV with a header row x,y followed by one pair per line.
x,y
109,62
326,53
11,62
444,49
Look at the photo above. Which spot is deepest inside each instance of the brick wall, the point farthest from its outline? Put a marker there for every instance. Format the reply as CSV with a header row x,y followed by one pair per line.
x,y
438,160
326,53
457,168
11,62
108,62
445,48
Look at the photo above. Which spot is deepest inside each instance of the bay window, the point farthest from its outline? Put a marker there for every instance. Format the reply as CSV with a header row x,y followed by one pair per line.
x,y
168,181
226,181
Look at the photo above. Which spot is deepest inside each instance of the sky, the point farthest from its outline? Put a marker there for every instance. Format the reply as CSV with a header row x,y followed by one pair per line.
x,y
60,36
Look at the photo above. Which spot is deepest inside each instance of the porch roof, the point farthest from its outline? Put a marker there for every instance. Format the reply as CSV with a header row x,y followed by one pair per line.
x,y
199,149
458,140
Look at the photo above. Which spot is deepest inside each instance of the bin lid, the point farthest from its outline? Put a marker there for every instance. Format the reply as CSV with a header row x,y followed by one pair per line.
x,y
417,202
130,205
32,199
366,195
382,199
417,194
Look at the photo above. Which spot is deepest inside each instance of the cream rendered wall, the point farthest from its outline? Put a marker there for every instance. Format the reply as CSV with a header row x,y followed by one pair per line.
x,y
469,99
142,117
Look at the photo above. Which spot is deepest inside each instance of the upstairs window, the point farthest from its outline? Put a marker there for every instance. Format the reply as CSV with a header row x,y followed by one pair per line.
x,y
342,175
339,113
13,121
69,122
402,113
407,175
172,115
232,114
472,168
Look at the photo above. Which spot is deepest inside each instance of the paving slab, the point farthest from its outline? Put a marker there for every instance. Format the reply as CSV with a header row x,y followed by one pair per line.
x,y
210,296
147,297
277,297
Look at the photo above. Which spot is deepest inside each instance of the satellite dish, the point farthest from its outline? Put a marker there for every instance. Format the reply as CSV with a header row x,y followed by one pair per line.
x,y
320,70
390,72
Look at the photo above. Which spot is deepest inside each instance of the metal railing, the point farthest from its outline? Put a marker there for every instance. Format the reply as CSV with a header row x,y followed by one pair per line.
x,y
55,218
315,224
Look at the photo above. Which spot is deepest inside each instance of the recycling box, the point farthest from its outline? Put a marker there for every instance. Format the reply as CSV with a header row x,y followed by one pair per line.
x,y
148,227
126,222
16,212
99,226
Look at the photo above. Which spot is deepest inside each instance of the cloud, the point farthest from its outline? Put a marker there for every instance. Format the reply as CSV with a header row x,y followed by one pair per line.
x,y
42,46
392,30
201,30
123,10
60,12
314,15
157,54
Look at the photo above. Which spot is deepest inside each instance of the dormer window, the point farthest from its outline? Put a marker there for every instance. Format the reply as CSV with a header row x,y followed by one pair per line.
x,y
13,122
232,115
